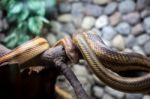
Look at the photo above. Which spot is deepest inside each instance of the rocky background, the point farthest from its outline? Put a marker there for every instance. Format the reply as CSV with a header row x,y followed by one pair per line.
x,y
123,25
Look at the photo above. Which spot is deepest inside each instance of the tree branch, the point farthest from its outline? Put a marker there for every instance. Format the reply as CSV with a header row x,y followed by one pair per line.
x,y
57,56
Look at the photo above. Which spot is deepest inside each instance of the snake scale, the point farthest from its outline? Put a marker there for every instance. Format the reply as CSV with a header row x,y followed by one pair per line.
x,y
101,59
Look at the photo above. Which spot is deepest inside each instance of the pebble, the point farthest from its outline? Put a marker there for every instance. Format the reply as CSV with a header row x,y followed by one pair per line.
x,y
118,42
61,35
77,8
97,31
71,1
132,18
141,4
146,97
98,91
80,70
142,39
138,49
77,19
56,26
123,28
101,21
65,18
101,2
145,13
114,92
51,38
115,18
93,10
69,28
137,29
86,1
147,47
88,22
108,33
147,24
127,6
130,41
64,7
133,96
110,8
2,36
107,96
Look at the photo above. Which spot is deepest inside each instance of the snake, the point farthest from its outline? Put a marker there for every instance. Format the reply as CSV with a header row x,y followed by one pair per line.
x,y
103,61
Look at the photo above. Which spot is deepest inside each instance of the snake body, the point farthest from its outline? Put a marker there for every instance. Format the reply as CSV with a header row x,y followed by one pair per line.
x,y
91,50
26,51
115,60
100,58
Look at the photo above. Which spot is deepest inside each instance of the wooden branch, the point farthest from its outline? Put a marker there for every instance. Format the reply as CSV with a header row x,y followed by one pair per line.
x,y
57,57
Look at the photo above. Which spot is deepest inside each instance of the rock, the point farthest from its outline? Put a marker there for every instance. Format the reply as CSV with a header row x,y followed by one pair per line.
x,y
101,2
138,49
107,96
147,47
145,13
77,19
115,18
77,8
98,91
61,35
2,36
133,96
123,28
69,28
93,10
102,21
141,4
51,38
88,22
72,1
110,8
80,70
108,33
118,42
86,1
132,18
146,97
56,26
128,50
147,24
127,6
65,18
97,31
130,41
137,29
142,39
64,7
115,93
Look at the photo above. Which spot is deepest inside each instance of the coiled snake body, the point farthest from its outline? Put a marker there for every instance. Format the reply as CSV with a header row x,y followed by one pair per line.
x,y
101,59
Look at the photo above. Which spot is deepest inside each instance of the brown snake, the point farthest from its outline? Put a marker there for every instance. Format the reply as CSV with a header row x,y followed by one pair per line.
x,y
100,58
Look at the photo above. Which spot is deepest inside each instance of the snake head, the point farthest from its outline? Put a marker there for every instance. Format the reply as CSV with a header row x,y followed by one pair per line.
x,y
70,48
